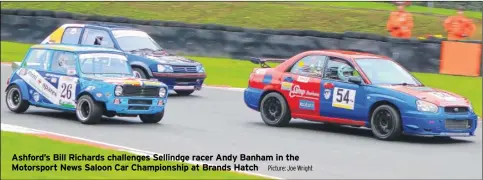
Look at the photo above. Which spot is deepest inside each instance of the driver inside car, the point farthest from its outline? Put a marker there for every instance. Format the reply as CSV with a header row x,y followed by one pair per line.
x,y
344,72
67,63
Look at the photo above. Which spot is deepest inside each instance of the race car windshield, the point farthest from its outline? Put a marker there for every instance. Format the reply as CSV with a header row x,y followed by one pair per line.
x,y
104,64
130,40
386,72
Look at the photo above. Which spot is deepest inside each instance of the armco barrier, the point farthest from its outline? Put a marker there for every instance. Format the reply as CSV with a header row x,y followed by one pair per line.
x,y
31,26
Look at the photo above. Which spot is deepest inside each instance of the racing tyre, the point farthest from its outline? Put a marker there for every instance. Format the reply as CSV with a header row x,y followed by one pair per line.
x,y
184,92
88,111
274,110
386,123
139,73
14,100
152,118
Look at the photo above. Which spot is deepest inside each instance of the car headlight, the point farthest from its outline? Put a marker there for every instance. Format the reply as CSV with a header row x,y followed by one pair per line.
x,y
162,92
470,107
200,69
118,91
425,106
165,68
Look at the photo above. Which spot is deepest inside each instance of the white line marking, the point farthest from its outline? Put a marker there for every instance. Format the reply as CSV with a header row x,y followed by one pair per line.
x,y
118,147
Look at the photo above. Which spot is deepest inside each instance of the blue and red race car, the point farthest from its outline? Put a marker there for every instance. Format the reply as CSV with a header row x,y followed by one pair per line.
x,y
357,89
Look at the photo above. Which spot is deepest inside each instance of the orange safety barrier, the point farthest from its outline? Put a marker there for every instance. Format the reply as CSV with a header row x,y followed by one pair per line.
x,y
459,58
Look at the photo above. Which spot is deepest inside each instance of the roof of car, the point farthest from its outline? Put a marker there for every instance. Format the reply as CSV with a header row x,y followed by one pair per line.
x,y
109,26
353,54
75,48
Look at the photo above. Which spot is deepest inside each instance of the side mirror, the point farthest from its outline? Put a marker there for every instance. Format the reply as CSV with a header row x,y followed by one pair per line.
x,y
355,79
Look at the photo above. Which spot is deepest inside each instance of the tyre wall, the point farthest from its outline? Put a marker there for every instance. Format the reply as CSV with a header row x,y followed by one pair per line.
x,y
29,26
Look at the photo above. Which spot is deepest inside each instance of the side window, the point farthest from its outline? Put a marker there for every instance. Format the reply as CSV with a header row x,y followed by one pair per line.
x,y
38,59
338,69
312,66
71,35
63,62
97,37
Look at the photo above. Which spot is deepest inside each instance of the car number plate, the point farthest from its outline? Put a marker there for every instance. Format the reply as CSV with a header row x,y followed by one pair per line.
x,y
184,87
455,134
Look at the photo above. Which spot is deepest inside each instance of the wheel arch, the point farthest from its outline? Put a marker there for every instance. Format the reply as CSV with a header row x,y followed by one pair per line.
x,y
92,97
143,67
268,92
23,88
380,103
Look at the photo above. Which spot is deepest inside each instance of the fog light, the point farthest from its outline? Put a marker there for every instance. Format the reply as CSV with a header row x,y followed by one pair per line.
x,y
160,103
117,101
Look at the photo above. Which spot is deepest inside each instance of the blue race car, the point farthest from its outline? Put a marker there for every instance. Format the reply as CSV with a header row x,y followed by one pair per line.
x,y
146,57
90,81
357,89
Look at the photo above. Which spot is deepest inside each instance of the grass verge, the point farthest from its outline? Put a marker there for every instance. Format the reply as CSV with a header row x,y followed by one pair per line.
x,y
18,144
369,17
235,73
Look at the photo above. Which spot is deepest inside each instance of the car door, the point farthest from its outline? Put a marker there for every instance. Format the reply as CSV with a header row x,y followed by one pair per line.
x,y
35,66
63,79
341,98
301,85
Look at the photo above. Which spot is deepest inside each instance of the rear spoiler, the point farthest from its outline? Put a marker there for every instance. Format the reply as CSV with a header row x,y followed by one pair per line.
x,y
16,65
262,61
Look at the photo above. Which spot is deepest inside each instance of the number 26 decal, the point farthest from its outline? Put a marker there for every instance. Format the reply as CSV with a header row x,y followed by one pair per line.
x,y
66,91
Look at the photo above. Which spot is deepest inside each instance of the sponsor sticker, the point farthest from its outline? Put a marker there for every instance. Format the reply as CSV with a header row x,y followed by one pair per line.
x,y
303,79
298,92
286,86
53,80
36,96
307,105
327,93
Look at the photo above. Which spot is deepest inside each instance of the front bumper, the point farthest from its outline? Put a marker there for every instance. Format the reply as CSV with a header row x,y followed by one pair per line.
x,y
135,105
440,124
181,81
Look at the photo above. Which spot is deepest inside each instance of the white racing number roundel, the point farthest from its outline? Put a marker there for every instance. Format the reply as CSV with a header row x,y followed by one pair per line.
x,y
344,98
67,90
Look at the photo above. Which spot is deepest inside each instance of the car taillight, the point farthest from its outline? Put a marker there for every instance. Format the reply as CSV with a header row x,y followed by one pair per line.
x,y
8,81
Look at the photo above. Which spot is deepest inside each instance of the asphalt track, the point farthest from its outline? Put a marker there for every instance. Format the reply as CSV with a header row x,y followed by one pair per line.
x,y
215,121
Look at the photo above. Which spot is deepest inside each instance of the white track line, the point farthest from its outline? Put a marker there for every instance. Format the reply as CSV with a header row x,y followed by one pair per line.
x,y
25,130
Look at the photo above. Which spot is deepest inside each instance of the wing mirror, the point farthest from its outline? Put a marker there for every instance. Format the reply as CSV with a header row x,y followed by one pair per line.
x,y
355,79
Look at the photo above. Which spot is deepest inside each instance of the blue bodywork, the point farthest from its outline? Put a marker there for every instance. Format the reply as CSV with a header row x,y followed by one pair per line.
x,y
44,88
178,72
368,97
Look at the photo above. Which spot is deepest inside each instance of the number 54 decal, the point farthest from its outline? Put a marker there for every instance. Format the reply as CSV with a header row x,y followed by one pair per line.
x,y
344,98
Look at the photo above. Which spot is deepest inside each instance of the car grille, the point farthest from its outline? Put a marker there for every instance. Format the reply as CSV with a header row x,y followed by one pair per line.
x,y
452,124
140,101
184,69
456,109
140,91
